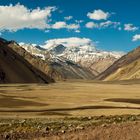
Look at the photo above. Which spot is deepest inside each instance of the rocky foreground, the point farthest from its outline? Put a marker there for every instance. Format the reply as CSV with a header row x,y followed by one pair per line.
x,y
79,128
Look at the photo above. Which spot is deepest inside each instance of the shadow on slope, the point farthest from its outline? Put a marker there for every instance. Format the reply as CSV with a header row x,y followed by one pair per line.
x,y
15,69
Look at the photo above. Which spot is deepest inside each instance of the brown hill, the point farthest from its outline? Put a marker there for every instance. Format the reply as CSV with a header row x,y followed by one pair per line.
x,y
127,67
70,70
99,65
15,69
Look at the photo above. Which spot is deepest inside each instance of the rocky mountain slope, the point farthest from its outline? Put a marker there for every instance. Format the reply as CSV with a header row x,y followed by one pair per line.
x,y
56,67
86,56
126,68
15,69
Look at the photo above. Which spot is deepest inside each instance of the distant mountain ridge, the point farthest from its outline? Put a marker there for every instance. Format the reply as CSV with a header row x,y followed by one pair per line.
x,y
58,68
86,56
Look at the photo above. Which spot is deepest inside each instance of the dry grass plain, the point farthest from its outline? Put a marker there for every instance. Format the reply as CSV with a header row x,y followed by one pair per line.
x,y
69,98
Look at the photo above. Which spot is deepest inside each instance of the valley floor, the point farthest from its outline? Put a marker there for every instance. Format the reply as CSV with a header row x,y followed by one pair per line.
x,y
69,98
93,108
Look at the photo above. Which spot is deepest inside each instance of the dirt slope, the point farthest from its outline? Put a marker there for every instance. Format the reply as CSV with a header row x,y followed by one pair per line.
x,y
126,127
127,67
14,69
126,131
102,64
130,71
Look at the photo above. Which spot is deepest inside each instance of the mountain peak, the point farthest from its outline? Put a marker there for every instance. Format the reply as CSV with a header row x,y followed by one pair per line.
x,y
58,49
84,55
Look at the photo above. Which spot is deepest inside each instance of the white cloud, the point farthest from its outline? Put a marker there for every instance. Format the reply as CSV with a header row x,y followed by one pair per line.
x,y
73,26
91,25
79,21
17,17
136,37
69,42
103,25
130,27
68,17
47,31
109,24
59,25
77,31
98,15
120,28
62,24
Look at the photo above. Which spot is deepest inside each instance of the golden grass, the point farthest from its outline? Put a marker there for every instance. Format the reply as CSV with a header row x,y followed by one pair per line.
x,y
69,98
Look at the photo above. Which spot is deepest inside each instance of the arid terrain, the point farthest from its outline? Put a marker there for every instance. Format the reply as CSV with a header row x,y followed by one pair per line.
x,y
70,98
59,109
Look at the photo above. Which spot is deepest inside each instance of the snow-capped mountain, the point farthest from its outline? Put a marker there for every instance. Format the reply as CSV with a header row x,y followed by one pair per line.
x,y
84,52
35,50
87,56
45,54
56,67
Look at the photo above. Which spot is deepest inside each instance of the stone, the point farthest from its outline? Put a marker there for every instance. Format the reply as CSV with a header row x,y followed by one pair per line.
x,y
79,127
7,136
23,121
89,117
62,131
103,125
47,128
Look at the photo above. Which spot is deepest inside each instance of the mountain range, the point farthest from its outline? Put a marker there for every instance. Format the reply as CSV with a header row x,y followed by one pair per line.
x,y
86,56
26,63
58,68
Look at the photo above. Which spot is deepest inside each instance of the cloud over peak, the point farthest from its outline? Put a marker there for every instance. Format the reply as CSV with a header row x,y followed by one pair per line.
x,y
69,42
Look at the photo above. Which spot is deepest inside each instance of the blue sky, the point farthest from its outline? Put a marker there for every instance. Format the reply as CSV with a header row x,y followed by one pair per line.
x,y
114,24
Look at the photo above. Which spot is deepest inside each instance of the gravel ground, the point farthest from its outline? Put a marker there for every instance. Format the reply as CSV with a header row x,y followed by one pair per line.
x,y
124,127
